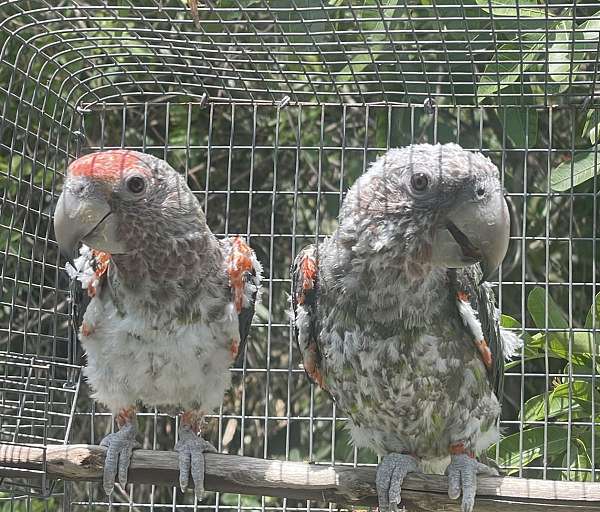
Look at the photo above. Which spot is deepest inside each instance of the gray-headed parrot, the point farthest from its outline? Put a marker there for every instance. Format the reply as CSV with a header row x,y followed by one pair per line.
x,y
394,320
170,304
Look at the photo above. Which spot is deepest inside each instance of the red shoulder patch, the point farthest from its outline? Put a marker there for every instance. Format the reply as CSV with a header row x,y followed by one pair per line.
x,y
462,296
234,348
100,264
308,267
239,262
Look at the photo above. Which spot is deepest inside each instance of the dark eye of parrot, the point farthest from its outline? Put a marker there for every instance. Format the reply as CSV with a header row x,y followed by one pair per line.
x,y
419,181
136,184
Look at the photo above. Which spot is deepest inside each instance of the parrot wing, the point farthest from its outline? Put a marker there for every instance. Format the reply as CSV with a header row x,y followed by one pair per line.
x,y
476,305
245,275
305,294
88,275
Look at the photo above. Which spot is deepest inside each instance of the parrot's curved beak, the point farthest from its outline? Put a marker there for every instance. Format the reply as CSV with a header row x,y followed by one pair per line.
x,y
87,219
477,231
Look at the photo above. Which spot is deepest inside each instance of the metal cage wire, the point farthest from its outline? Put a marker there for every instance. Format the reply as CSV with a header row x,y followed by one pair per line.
x,y
272,111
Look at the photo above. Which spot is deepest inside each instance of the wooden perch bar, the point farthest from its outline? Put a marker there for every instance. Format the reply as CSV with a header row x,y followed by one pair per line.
x,y
296,480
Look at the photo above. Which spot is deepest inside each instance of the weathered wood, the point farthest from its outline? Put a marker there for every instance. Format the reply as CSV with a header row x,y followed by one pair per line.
x,y
296,480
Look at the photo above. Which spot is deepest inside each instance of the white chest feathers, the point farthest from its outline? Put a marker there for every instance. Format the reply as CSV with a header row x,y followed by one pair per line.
x,y
157,361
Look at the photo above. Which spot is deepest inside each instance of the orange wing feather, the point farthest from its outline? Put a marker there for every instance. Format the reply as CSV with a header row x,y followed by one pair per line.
x,y
239,262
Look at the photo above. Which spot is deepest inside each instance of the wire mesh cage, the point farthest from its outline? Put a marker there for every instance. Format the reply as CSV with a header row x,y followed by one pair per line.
x,y
272,110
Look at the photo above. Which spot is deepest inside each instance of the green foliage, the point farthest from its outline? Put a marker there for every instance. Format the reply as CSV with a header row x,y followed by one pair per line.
x,y
526,8
568,399
575,172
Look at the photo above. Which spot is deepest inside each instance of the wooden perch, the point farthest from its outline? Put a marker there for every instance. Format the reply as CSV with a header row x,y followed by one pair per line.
x,y
296,480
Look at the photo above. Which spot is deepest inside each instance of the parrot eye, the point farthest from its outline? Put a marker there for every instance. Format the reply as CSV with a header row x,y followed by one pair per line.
x,y
419,181
136,184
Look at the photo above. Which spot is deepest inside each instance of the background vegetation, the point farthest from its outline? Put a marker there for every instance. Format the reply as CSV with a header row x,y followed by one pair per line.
x,y
278,174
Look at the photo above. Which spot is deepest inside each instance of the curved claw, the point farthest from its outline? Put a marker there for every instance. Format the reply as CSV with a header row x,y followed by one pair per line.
x,y
390,474
462,475
120,446
191,449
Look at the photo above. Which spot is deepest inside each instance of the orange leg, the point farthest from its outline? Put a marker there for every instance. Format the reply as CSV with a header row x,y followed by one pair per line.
x,y
125,415
194,419
459,449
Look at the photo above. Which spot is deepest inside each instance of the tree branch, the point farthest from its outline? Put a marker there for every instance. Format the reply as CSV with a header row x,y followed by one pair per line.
x,y
296,480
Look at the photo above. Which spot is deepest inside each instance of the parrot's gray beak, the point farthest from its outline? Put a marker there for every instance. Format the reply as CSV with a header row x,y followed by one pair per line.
x,y
87,219
477,231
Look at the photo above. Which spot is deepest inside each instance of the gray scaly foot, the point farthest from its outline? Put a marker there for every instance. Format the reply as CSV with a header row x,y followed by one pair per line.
x,y
120,446
191,448
390,475
462,474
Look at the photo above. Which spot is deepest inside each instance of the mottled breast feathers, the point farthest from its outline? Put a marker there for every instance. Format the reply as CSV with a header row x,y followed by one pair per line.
x,y
89,276
475,306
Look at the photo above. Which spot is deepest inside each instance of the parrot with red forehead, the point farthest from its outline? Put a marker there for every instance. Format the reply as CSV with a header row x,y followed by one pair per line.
x,y
170,304
394,320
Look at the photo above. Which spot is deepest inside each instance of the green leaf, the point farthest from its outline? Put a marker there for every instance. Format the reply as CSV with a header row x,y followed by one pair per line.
x,y
558,345
581,344
589,319
536,304
562,56
579,460
535,408
591,127
574,395
537,345
510,454
590,29
557,342
536,342
526,8
559,52
586,439
514,59
581,168
509,322
521,126
580,391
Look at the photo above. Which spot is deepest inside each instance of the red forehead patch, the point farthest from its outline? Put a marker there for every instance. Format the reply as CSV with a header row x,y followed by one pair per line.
x,y
108,165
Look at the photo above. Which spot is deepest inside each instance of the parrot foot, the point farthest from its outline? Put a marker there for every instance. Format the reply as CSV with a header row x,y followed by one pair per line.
x,y
120,446
390,474
462,473
191,448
